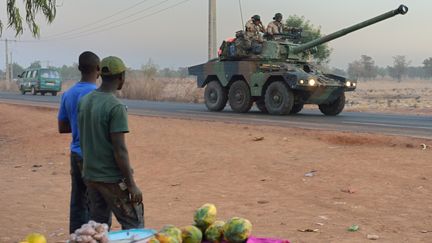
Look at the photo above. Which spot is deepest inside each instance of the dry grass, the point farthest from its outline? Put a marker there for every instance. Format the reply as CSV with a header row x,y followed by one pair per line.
x,y
139,86
414,96
8,86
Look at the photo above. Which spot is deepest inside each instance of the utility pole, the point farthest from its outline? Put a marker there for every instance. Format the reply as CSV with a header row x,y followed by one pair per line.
x,y
8,68
11,68
212,51
7,61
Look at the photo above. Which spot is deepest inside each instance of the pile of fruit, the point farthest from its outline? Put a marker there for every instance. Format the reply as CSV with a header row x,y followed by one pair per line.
x,y
91,232
206,228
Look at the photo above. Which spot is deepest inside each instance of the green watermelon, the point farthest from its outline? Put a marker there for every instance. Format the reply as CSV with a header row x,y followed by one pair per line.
x,y
205,216
164,237
191,234
237,230
172,231
214,232
153,240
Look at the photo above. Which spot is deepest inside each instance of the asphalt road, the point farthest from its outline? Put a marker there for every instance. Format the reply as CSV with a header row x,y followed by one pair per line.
x,y
391,124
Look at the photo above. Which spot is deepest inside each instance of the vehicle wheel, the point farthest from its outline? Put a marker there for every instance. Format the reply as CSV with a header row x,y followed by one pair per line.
x,y
54,93
296,108
239,97
23,92
333,108
261,105
42,93
215,96
33,90
279,99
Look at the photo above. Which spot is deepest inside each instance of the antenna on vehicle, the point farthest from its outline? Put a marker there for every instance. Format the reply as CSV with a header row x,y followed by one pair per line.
x,y
241,14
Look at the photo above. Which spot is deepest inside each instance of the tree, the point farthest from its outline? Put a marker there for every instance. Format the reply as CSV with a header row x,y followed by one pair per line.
x,y
311,32
69,72
32,7
415,72
354,70
364,68
369,67
399,68
150,69
427,66
35,64
17,70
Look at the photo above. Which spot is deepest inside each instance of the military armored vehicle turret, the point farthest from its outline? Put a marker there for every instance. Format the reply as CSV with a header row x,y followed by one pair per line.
x,y
277,79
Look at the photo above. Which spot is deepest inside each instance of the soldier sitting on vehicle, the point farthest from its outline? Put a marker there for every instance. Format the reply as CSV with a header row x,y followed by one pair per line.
x,y
254,28
275,27
276,30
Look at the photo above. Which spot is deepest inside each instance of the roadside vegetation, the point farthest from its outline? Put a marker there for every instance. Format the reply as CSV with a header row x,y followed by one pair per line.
x,y
396,87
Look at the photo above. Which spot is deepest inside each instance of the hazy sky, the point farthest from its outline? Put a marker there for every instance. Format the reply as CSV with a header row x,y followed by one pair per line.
x,y
177,36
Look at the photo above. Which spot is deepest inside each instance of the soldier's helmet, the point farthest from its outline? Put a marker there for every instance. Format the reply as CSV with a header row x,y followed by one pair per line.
x,y
256,17
278,17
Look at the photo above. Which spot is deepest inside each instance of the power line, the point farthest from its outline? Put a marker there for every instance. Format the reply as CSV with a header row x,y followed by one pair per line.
x,y
97,21
108,23
87,32
125,23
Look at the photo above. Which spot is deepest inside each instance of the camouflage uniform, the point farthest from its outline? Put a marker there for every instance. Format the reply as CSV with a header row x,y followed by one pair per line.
x,y
275,27
253,31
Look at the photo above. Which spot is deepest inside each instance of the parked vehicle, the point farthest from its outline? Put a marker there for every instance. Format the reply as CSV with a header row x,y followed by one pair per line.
x,y
40,80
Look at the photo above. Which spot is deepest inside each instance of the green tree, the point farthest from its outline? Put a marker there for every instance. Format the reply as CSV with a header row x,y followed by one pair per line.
x,y
311,32
355,70
399,68
69,72
364,68
32,7
17,70
150,69
369,67
35,64
427,66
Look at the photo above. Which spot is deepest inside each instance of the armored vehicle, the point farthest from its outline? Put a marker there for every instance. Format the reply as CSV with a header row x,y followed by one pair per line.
x,y
278,79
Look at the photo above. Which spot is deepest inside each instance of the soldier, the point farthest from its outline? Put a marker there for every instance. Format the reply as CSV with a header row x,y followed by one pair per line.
x,y
275,27
253,29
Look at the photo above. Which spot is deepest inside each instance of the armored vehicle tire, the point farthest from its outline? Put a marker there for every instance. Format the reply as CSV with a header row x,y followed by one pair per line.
x,y
54,93
23,92
279,99
296,108
33,90
215,96
239,97
333,108
261,105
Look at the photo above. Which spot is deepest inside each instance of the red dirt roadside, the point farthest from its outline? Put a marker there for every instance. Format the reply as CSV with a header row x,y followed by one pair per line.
x,y
381,183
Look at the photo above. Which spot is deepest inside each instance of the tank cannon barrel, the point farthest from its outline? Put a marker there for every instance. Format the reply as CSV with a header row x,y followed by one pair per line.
x,y
402,9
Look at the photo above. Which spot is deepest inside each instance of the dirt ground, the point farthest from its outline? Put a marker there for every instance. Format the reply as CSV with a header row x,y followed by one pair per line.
x,y
381,183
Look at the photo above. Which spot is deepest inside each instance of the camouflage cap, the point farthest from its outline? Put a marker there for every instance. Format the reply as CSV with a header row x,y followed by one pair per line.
x,y
112,65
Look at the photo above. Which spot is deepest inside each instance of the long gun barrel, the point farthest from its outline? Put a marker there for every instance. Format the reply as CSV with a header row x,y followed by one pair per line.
x,y
402,9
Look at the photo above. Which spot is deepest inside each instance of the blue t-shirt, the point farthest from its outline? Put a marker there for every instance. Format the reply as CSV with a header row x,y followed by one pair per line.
x,y
68,111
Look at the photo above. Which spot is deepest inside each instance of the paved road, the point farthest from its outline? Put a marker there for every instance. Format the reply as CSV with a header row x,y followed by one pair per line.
x,y
408,125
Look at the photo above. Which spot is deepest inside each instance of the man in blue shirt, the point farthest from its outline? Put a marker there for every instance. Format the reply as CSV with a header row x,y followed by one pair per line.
x,y
67,123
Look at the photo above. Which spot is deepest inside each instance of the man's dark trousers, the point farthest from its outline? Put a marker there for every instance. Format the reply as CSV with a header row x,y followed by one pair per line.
x,y
79,203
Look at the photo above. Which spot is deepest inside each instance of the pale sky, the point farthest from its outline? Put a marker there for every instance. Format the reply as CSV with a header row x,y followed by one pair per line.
x,y
177,36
